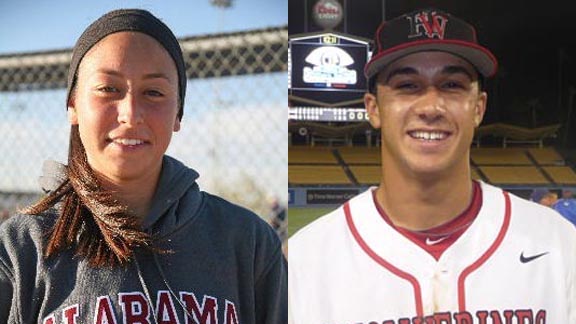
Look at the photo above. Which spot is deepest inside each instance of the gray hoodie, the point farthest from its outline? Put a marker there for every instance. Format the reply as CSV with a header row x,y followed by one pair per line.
x,y
227,267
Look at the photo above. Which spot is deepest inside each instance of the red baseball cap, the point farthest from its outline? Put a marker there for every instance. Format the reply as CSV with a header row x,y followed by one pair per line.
x,y
428,30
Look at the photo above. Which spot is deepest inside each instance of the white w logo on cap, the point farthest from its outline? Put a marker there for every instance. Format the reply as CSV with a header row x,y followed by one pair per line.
x,y
431,24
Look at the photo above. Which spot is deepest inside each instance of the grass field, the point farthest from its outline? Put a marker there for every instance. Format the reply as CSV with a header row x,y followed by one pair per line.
x,y
300,216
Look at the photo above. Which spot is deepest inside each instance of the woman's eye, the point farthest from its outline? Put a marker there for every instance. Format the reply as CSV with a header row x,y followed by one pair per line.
x,y
107,89
154,93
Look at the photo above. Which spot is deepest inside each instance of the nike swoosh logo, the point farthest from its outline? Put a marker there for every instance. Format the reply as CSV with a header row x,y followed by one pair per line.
x,y
432,242
524,259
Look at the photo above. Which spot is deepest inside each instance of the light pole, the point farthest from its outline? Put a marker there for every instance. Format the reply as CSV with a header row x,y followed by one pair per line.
x,y
221,5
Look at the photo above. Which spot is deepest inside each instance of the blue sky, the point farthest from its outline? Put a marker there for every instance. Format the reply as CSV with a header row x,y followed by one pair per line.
x,y
33,25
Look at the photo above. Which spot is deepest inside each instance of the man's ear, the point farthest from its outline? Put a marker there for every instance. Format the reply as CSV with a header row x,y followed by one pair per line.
x,y
480,108
72,114
371,105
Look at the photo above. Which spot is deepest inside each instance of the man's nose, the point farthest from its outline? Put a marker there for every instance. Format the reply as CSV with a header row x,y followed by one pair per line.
x,y
431,105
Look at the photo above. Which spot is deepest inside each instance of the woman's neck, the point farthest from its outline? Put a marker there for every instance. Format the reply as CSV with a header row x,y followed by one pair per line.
x,y
135,193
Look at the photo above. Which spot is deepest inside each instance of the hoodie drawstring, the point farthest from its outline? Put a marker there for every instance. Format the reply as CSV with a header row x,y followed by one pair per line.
x,y
166,284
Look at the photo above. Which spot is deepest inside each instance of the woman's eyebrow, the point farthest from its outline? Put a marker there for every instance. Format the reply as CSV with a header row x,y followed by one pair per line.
x,y
155,75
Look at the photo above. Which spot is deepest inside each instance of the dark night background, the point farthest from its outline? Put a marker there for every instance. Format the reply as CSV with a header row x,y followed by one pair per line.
x,y
534,42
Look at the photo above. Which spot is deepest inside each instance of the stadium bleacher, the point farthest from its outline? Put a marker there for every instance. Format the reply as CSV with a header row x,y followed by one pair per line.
x,y
317,175
501,166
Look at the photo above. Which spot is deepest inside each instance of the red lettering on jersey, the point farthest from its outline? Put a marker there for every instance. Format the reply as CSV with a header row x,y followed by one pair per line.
x,y
205,314
70,314
508,315
463,318
231,315
135,308
417,320
49,320
442,318
524,314
165,308
482,317
429,319
540,317
104,313
497,319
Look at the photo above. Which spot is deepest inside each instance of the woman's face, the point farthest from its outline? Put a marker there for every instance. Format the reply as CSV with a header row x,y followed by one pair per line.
x,y
125,104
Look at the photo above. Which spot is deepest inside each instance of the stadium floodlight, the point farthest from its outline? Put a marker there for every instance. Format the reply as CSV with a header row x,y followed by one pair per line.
x,y
221,3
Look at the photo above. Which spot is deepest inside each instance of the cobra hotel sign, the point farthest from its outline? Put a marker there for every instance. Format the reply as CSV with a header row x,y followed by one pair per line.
x,y
327,13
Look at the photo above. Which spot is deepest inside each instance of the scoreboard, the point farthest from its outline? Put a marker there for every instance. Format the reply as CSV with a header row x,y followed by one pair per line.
x,y
327,114
326,79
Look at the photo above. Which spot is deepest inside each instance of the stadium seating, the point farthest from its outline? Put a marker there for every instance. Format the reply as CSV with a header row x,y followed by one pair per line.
x,y
509,166
514,134
360,155
317,175
311,155
499,156
562,175
514,175
546,155
366,174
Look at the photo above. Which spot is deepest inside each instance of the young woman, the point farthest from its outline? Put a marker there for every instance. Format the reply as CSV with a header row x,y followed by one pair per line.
x,y
125,235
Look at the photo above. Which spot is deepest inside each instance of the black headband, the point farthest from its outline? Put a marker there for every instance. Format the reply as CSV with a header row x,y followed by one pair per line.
x,y
136,20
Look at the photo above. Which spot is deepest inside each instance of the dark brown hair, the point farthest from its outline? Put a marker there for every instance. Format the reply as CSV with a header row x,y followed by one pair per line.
x,y
91,221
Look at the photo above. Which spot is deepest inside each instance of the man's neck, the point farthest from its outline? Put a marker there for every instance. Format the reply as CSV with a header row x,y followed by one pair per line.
x,y
418,204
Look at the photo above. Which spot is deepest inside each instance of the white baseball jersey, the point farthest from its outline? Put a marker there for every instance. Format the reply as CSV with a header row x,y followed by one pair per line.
x,y
516,263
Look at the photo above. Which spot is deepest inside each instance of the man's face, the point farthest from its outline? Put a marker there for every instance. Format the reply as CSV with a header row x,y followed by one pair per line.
x,y
549,199
427,106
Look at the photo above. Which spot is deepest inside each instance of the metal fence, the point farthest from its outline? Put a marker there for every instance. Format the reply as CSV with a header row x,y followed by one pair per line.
x,y
233,131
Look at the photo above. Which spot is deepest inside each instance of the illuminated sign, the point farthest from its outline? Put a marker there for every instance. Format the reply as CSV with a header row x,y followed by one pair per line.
x,y
327,114
327,13
327,62
329,66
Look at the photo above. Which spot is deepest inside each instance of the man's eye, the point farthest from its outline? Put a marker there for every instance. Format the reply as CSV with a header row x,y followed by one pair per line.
x,y
406,86
453,85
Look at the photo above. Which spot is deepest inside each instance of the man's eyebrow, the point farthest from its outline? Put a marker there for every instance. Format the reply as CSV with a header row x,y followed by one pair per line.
x,y
455,69
400,71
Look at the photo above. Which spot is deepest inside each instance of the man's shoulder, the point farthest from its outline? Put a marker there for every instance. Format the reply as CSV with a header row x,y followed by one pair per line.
x,y
540,222
320,226
328,227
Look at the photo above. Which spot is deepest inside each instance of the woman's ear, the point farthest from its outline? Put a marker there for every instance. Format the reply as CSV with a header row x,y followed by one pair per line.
x,y
177,124
72,115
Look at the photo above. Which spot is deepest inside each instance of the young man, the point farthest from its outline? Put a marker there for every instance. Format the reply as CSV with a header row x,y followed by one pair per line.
x,y
429,244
